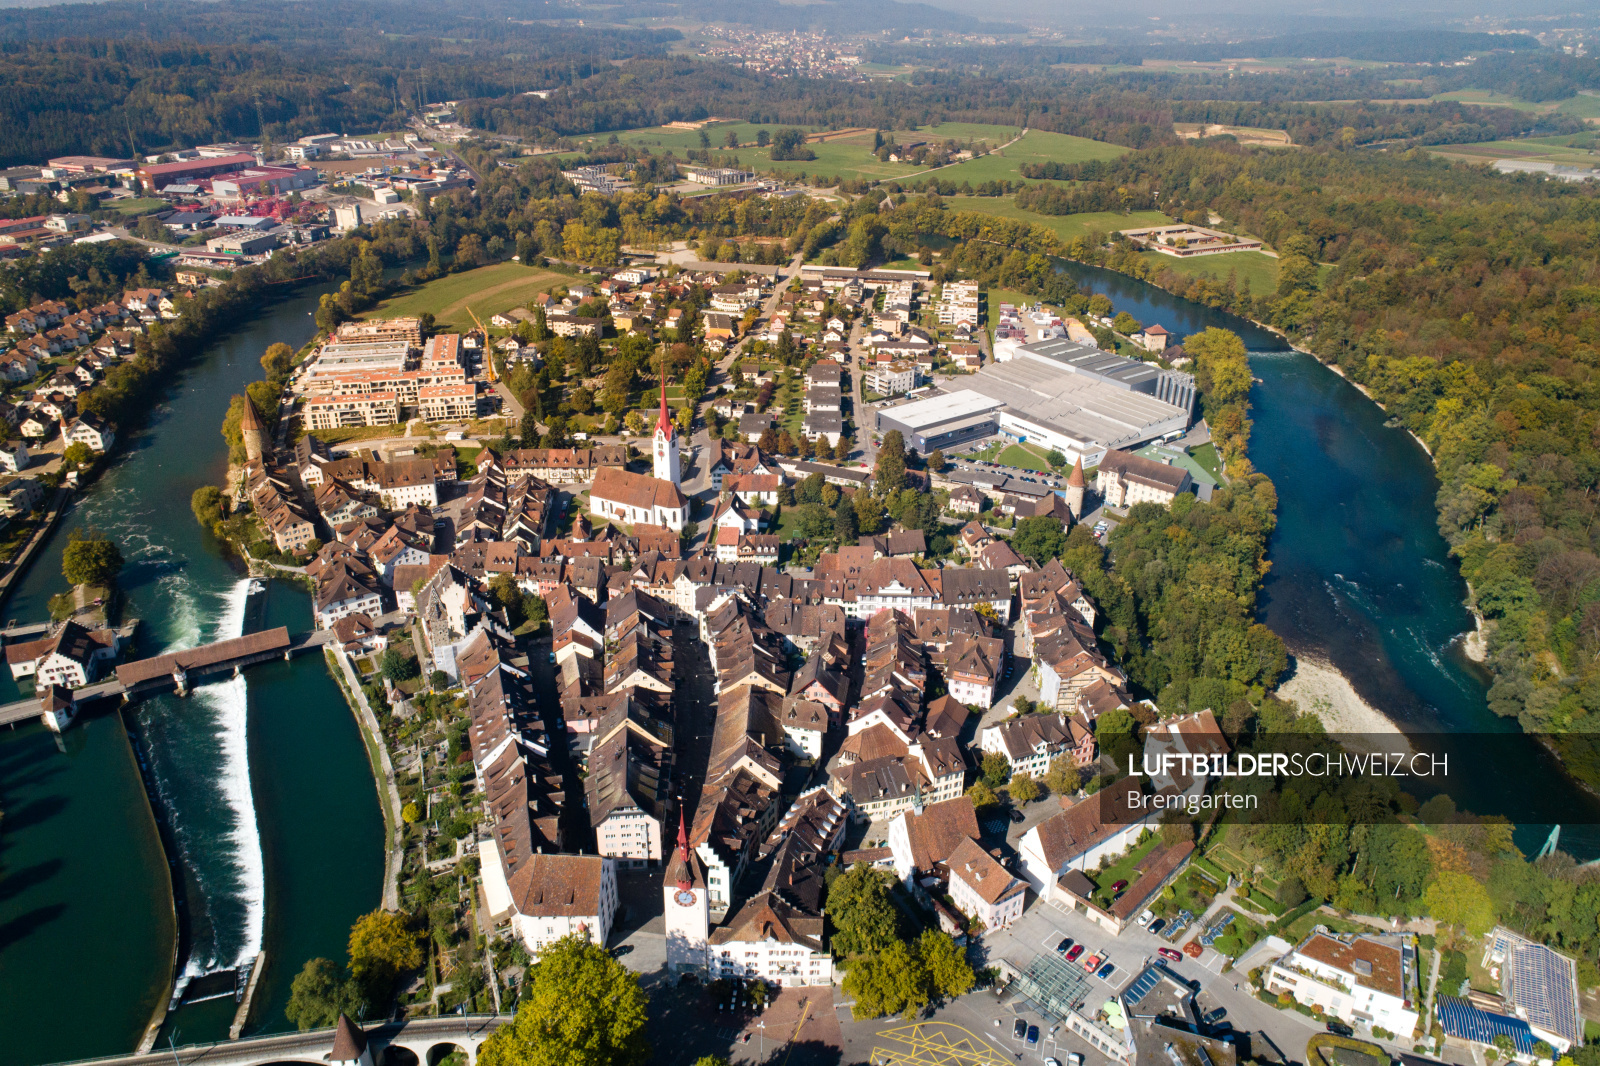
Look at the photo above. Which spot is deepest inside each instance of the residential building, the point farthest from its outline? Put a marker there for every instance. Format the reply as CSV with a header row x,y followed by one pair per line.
x,y
982,888
1080,837
1125,479
556,896
1365,980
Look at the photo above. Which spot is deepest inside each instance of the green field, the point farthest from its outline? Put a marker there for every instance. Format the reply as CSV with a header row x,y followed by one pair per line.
x,y
851,157
1065,226
139,205
1580,106
487,290
1037,146
1568,149
1024,457
1260,269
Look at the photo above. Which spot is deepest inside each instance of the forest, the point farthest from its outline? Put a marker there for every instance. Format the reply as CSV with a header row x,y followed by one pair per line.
x,y
1469,306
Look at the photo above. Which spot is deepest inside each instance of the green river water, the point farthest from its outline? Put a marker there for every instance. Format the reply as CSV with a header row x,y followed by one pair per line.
x,y
263,779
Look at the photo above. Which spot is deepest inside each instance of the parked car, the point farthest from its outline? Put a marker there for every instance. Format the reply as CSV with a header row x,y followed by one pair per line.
x,y
1074,1058
1119,886
1144,919
1052,1062
1072,956
1338,1028
1019,1029
1065,945
1214,1016
1091,964
1106,971
1033,1035
1017,816
1170,954
1158,925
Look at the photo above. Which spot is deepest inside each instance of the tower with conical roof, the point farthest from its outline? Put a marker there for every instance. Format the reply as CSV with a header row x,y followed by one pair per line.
x,y
1075,488
687,905
668,465
252,430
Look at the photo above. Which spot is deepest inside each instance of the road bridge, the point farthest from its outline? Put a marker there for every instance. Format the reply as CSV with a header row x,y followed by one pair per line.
x,y
178,670
424,1041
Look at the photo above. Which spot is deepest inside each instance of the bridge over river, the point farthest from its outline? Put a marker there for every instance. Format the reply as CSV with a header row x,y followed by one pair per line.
x,y
428,1039
177,670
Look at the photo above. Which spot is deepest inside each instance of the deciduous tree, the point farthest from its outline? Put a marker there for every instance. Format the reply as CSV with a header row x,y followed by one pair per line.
x,y
581,1007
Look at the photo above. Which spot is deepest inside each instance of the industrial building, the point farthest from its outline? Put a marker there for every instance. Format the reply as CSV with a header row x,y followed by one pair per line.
x,y
1056,393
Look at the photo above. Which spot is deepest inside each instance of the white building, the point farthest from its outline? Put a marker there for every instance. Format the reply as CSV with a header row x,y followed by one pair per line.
x,y
668,462
982,888
556,896
633,499
1363,979
447,403
1078,838
90,430
1030,741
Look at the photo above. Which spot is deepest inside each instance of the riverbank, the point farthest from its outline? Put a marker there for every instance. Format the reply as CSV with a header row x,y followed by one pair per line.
x,y
1320,688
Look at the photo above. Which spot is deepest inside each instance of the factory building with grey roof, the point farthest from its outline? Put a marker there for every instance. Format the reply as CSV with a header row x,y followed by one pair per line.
x,y
1056,393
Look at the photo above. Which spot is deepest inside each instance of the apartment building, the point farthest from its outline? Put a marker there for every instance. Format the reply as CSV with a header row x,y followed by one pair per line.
x,y
447,403
371,409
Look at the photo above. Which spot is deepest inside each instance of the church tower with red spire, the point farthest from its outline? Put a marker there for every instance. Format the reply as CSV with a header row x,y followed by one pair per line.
x,y
668,465
687,906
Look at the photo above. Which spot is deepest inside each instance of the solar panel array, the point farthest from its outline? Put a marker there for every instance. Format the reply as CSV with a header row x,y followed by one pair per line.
x,y
1463,1020
1542,984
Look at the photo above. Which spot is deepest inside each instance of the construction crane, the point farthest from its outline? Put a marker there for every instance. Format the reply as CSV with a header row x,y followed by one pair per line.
x,y
488,356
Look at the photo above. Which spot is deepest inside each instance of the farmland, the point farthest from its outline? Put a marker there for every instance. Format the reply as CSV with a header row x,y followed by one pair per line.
x,y
851,156
1565,149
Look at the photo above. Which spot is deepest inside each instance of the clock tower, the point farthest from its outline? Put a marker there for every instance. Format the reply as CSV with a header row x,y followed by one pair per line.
x,y
668,466
687,907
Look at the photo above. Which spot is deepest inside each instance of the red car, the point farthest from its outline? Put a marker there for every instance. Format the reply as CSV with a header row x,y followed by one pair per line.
x,y
1091,964
1119,886
1169,954
1072,956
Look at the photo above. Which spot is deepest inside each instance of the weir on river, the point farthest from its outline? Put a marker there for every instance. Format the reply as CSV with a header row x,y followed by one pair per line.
x,y
266,800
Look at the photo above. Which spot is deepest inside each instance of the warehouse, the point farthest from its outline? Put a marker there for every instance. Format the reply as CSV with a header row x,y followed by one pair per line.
x,y
1080,413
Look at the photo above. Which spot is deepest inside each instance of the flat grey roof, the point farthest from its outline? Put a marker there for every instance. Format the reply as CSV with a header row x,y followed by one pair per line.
x,y
1076,405
1090,361
920,415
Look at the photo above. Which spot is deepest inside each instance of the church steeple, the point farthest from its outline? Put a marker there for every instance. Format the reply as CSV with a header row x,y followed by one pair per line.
x,y
684,872
668,464
664,422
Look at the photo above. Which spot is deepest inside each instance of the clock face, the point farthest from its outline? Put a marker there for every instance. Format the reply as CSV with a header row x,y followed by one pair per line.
x,y
685,898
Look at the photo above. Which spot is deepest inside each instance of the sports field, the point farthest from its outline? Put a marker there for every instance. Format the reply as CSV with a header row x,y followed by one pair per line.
x,y
487,291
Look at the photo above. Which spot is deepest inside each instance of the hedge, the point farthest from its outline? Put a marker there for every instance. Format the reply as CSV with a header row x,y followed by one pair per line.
x,y
1282,924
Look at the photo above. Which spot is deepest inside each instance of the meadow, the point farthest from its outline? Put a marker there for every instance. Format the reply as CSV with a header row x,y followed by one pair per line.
x,y
1064,226
851,156
487,290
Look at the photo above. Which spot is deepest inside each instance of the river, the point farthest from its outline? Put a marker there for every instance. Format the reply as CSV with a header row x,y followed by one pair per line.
x,y
263,778
1362,578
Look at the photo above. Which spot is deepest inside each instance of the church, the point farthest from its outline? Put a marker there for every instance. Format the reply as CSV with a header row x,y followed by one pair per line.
x,y
633,499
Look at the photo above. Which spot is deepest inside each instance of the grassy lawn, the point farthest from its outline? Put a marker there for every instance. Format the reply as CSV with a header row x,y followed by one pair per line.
x,y
1301,927
1579,106
1021,455
1064,226
1124,869
1206,455
1259,269
139,205
488,290
346,434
